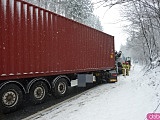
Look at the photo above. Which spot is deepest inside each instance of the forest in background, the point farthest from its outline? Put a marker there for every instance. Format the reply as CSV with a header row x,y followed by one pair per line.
x,y
143,16
78,10
143,43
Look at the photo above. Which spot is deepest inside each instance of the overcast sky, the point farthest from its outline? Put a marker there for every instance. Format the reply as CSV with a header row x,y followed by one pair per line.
x,y
110,20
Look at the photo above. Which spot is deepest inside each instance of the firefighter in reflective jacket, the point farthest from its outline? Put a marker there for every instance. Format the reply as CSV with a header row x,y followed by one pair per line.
x,y
125,69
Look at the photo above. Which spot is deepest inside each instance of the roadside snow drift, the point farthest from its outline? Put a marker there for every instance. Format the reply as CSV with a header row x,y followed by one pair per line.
x,y
131,98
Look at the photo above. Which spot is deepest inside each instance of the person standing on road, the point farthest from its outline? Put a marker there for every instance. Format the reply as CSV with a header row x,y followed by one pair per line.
x,y
127,68
124,69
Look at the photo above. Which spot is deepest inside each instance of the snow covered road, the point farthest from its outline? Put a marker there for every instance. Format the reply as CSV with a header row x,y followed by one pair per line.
x,y
131,98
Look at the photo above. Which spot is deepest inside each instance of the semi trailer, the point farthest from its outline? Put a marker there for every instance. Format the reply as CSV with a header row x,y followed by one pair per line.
x,y
41,52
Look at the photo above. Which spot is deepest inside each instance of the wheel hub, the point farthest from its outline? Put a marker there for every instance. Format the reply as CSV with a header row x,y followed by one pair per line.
x,y
39,93
10,98
62,88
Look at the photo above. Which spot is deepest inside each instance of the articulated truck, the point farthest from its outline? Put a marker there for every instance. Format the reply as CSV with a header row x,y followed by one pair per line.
x,y
41,52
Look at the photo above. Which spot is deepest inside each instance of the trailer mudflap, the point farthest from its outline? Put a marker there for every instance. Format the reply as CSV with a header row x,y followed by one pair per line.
x,y
113,76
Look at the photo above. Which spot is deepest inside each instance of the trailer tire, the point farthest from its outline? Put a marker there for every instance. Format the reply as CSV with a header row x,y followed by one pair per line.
x,y
11,98
38,92
61,88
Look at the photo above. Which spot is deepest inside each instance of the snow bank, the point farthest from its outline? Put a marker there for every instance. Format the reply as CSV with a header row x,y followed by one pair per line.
x,y
131,98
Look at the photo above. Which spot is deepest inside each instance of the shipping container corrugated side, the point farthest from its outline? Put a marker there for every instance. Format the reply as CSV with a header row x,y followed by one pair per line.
x,y
36,42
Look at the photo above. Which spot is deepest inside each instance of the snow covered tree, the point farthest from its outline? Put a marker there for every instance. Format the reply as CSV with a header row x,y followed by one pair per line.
x,y
78,10
146,23
94,22
144,30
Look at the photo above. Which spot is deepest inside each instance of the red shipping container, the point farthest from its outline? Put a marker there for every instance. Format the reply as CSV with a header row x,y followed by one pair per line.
x,y
36,42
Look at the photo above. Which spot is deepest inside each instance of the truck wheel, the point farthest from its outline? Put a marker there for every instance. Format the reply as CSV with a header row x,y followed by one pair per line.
x,y
38,92
11,98
61,88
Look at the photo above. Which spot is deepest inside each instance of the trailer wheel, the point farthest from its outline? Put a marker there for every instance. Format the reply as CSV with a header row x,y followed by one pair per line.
x,y
38,92
11,98
61,88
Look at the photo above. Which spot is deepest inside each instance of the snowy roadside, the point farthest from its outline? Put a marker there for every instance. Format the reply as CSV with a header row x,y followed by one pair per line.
x,y
131,98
